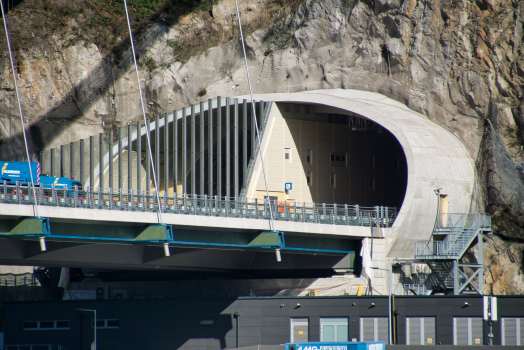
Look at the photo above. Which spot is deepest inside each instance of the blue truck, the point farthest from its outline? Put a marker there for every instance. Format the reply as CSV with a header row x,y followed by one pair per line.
x,y
18,172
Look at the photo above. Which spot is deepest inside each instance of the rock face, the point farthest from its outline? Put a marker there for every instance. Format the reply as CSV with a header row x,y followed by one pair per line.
x,y
457,62
503,273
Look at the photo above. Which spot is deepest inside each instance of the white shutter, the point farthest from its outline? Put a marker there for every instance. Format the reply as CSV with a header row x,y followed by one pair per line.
x,y
509,331
367,329
477,335
512,331
428,324
520,331
461,334
413,329
382,329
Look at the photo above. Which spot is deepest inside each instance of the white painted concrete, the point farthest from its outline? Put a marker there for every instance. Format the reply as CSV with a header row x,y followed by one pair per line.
x,y
436,159
100,216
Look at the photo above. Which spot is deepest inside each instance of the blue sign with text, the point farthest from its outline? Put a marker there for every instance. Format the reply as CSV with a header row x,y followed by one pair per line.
x,y
380,345
289,186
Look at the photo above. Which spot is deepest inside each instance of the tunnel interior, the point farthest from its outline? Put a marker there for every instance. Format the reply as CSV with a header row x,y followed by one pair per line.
x,y
331,155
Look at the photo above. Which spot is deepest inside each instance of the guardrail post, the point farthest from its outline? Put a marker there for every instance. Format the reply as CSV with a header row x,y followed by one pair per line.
x,y
53,194
227,206
357,213
87,195
18,197
346,213
334,212
110,198
303,211
142,200
195,202
256,208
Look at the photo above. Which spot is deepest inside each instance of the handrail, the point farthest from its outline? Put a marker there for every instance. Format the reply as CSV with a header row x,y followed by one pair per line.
x,y
460,229
173,203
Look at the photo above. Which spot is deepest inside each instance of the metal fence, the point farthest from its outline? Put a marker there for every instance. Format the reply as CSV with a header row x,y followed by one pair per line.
x,y
460,229
33,347
18,280
123,200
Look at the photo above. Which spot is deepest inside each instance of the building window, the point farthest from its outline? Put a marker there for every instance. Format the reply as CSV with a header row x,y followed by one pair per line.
x,y
333,180
106,324
45,325
309,156
420,330
467,331
372,162
287,155
307,109
299,330
338,159
512,331
372,183
333,329
297,108
309,178
374,329
338,119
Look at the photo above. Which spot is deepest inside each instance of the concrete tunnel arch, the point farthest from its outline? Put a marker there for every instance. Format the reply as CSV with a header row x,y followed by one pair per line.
x,y
435,158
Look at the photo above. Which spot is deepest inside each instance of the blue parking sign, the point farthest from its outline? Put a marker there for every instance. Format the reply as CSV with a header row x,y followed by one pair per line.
x,y
289,186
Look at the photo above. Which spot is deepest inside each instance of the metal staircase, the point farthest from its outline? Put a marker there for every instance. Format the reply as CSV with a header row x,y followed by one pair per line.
x,y
451,238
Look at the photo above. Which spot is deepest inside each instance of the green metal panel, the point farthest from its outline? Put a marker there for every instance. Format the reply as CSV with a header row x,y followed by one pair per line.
x,y
29,226
154,233
269,238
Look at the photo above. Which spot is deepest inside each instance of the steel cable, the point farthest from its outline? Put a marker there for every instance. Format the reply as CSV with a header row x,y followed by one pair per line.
x,y
21,113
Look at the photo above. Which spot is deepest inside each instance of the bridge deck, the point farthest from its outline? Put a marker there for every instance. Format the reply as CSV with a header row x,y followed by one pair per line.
x,y
217,212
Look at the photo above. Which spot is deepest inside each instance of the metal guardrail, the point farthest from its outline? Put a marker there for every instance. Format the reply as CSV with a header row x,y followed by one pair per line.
x,y
33,347
460,228
123,200
17,280
452,220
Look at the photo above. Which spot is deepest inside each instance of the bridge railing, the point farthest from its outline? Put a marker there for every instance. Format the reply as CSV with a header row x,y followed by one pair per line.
x,y
203,205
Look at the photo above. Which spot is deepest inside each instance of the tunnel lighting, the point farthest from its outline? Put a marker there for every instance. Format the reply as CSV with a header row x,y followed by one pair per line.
x,y
277,252
166,249
42,243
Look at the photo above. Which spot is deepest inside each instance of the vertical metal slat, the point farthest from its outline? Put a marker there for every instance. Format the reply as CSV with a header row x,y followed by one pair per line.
x,y
110,162
138,158
228,147
166,153
193,150
210,147
235,144
219,146
120,158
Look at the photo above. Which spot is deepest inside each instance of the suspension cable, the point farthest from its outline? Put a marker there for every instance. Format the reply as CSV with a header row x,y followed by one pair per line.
x,y
21,113
271,218
160,221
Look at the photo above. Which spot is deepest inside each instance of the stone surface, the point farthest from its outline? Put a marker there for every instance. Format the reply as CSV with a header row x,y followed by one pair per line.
x,y
503,273
457,63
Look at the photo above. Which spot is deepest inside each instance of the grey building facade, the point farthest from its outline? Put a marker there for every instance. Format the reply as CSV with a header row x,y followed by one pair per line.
x,y
225,323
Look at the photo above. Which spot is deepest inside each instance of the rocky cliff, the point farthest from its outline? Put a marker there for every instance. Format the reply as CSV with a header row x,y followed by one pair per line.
x,y
459,62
